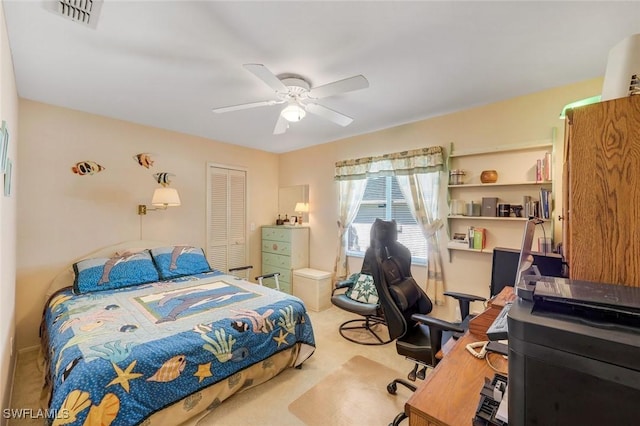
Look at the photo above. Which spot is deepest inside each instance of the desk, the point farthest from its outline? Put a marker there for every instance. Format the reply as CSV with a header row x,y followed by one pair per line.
x,y
449,395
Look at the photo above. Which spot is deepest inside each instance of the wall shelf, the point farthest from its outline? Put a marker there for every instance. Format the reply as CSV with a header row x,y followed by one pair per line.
x,y
488,185
546,143
520,219
463,247
518,169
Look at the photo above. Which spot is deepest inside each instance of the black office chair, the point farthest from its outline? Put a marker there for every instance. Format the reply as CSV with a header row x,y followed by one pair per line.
x,y
418,337
345,296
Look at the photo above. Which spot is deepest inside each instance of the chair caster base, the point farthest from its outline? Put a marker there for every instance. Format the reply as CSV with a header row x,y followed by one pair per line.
x,y
363,324
393,386
400,417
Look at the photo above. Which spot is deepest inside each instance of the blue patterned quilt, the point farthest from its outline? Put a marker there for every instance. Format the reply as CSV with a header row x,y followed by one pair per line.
x,y
118,356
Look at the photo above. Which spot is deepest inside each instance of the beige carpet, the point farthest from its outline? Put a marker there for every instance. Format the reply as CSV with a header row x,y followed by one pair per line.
x,y
354,394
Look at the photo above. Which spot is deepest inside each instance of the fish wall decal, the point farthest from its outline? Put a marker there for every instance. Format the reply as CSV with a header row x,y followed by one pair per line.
x,y
163,178
144,159
86,168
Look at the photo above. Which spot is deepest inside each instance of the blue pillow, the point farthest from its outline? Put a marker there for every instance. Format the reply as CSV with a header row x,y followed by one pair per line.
x,y
177,261
108,273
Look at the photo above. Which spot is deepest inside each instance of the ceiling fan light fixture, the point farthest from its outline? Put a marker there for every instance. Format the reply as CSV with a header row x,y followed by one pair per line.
x,y
293,112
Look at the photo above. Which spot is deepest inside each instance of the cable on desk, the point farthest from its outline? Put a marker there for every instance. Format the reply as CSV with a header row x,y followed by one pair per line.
x,y
491,365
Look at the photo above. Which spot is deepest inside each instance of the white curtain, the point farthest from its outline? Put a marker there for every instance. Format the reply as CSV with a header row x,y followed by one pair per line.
x,y
350,196
423,160
352,176
422,194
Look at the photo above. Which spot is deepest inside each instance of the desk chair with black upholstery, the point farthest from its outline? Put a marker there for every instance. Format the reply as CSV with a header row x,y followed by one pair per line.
x,y
418,336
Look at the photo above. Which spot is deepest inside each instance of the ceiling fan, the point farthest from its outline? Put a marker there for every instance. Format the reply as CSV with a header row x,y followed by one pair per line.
x,y
297,93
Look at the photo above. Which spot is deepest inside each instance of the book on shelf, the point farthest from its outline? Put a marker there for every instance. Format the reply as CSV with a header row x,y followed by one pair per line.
x,y
546,175
543,168
539,170
545,203
477,237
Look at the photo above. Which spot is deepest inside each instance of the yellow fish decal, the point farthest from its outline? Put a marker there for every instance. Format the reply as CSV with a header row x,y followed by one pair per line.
x,y
170,370
144,159
104,413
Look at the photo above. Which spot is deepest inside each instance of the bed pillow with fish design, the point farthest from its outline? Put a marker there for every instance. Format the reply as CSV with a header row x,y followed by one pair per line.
x,y
108,273
177,261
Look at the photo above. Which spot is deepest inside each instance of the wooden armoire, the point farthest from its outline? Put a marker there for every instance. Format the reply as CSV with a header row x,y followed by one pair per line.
x,y
601,192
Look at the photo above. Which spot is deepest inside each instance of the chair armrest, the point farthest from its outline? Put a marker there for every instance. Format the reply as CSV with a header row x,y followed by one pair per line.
x,y
437,323
463,296
272,275
241,268
342,284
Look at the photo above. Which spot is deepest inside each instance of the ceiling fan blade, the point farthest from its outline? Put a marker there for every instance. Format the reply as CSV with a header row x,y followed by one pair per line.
x,y
245,106
267,76
281,125
341,86
329,114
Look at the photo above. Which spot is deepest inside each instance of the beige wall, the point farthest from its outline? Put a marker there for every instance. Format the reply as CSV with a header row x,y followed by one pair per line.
x,y
8,113
517,120
64,215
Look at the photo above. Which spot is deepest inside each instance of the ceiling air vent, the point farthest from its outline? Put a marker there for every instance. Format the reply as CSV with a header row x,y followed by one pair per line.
x,y
82,11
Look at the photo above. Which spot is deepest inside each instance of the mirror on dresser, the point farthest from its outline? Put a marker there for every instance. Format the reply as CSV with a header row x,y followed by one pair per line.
x,y
288,197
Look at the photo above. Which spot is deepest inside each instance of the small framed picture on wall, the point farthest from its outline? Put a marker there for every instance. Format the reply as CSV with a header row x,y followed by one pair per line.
x,y
4,146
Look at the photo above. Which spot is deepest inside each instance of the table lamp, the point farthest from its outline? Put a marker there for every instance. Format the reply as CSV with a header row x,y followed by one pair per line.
x,y
301,208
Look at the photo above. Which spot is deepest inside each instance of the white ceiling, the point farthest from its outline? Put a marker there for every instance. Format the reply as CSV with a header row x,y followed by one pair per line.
x,y
168,63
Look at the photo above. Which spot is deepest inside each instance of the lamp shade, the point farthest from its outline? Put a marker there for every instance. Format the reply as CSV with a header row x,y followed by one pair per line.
x,y
165,197
293,112
302,208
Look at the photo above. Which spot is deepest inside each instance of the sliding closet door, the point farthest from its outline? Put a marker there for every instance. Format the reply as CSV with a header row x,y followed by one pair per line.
x,y
226,217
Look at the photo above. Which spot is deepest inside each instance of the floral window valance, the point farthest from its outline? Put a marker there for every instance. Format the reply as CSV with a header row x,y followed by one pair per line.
x,y
423,160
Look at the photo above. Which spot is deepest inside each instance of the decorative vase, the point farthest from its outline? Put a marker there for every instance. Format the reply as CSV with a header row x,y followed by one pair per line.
x,y
488,176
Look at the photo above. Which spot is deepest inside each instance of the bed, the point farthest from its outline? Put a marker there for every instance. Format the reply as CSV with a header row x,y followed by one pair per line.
x,y
146,333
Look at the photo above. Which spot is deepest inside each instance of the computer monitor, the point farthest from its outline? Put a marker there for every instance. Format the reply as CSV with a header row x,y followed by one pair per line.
x,y
526,264
505,263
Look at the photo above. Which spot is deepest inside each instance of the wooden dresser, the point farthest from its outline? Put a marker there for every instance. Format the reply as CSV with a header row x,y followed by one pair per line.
x,y
284,248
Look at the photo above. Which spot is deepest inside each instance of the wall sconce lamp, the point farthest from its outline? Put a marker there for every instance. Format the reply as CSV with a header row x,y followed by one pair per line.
x,y
162,198
301,208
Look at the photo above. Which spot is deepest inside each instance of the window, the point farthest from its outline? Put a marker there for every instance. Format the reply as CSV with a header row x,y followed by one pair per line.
x,y
383,199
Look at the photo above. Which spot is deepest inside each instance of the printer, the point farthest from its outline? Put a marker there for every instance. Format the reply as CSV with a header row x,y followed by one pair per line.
x,y
574,353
